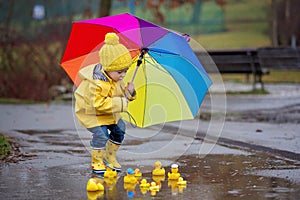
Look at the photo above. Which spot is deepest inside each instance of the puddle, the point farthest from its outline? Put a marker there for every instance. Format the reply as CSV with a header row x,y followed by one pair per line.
x,y
217,177
212,177
60,170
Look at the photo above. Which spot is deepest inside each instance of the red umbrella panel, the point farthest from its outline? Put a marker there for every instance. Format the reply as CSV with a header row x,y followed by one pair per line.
x,y
87,36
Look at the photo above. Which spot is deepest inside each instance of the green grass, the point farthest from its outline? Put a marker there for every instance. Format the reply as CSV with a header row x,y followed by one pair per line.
x,y
283,76
233,40
256,91
246,10
246,25
18,101
5,147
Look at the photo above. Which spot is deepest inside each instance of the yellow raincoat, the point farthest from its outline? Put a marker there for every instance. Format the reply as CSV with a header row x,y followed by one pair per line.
x,y
100,102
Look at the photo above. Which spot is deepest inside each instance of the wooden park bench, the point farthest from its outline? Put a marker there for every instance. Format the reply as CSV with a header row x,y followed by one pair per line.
x,y
279,57
241,61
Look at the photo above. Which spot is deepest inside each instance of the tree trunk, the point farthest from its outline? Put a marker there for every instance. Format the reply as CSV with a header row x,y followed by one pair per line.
x,y
104,8
274,24
196,12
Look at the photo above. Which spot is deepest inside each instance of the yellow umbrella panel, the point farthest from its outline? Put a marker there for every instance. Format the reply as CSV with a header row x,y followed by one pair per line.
x,y
159,99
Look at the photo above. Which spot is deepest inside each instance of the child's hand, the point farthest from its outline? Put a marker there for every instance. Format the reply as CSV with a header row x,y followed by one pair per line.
x,y
130,87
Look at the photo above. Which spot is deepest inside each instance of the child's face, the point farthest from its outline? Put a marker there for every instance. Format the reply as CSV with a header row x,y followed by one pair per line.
x,y
117,75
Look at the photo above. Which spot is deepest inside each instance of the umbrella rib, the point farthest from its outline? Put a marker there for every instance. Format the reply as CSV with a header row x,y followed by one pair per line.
x,y
155,66
140,30
146,88
159,52
146,80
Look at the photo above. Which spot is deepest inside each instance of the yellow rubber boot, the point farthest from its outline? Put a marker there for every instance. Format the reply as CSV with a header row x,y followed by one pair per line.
x,y
97,164
111,156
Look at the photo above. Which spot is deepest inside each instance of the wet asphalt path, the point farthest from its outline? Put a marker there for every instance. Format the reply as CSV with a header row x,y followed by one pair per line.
x,y
54,158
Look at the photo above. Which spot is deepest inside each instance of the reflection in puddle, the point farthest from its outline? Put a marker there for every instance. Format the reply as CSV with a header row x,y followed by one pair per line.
x,y
215,177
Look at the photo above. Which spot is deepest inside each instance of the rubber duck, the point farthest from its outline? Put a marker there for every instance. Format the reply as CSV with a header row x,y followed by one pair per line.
x,y
94,185
110,173
144,184
158,171
181,181
137,173
174,175
153,188
181,185
130,178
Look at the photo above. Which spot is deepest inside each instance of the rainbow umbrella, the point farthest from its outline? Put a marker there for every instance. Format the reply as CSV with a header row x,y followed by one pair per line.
x,y
169,79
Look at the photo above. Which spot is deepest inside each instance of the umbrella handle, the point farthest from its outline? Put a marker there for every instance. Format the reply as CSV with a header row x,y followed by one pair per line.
x,y
139,62
135,71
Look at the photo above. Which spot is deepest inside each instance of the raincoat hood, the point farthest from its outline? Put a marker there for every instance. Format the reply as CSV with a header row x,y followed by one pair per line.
x,y
92,73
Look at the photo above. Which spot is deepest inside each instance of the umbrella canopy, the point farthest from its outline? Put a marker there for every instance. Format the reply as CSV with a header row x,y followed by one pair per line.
x,y
170,83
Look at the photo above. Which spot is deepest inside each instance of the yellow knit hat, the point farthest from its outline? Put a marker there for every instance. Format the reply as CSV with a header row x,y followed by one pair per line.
x,y
113,55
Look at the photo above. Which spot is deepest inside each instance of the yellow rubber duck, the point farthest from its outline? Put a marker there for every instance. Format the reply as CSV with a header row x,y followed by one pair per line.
x,y
94,185
174,175
158,171
130,178
181,181
181,185
144,184
153,188
137,173
109,173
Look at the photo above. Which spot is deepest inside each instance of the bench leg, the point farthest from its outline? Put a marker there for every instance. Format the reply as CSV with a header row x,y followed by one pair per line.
x,y
261,82
258,79
254,82
247,78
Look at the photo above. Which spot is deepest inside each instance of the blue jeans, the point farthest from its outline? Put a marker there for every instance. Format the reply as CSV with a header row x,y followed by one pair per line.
x,y
101,135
